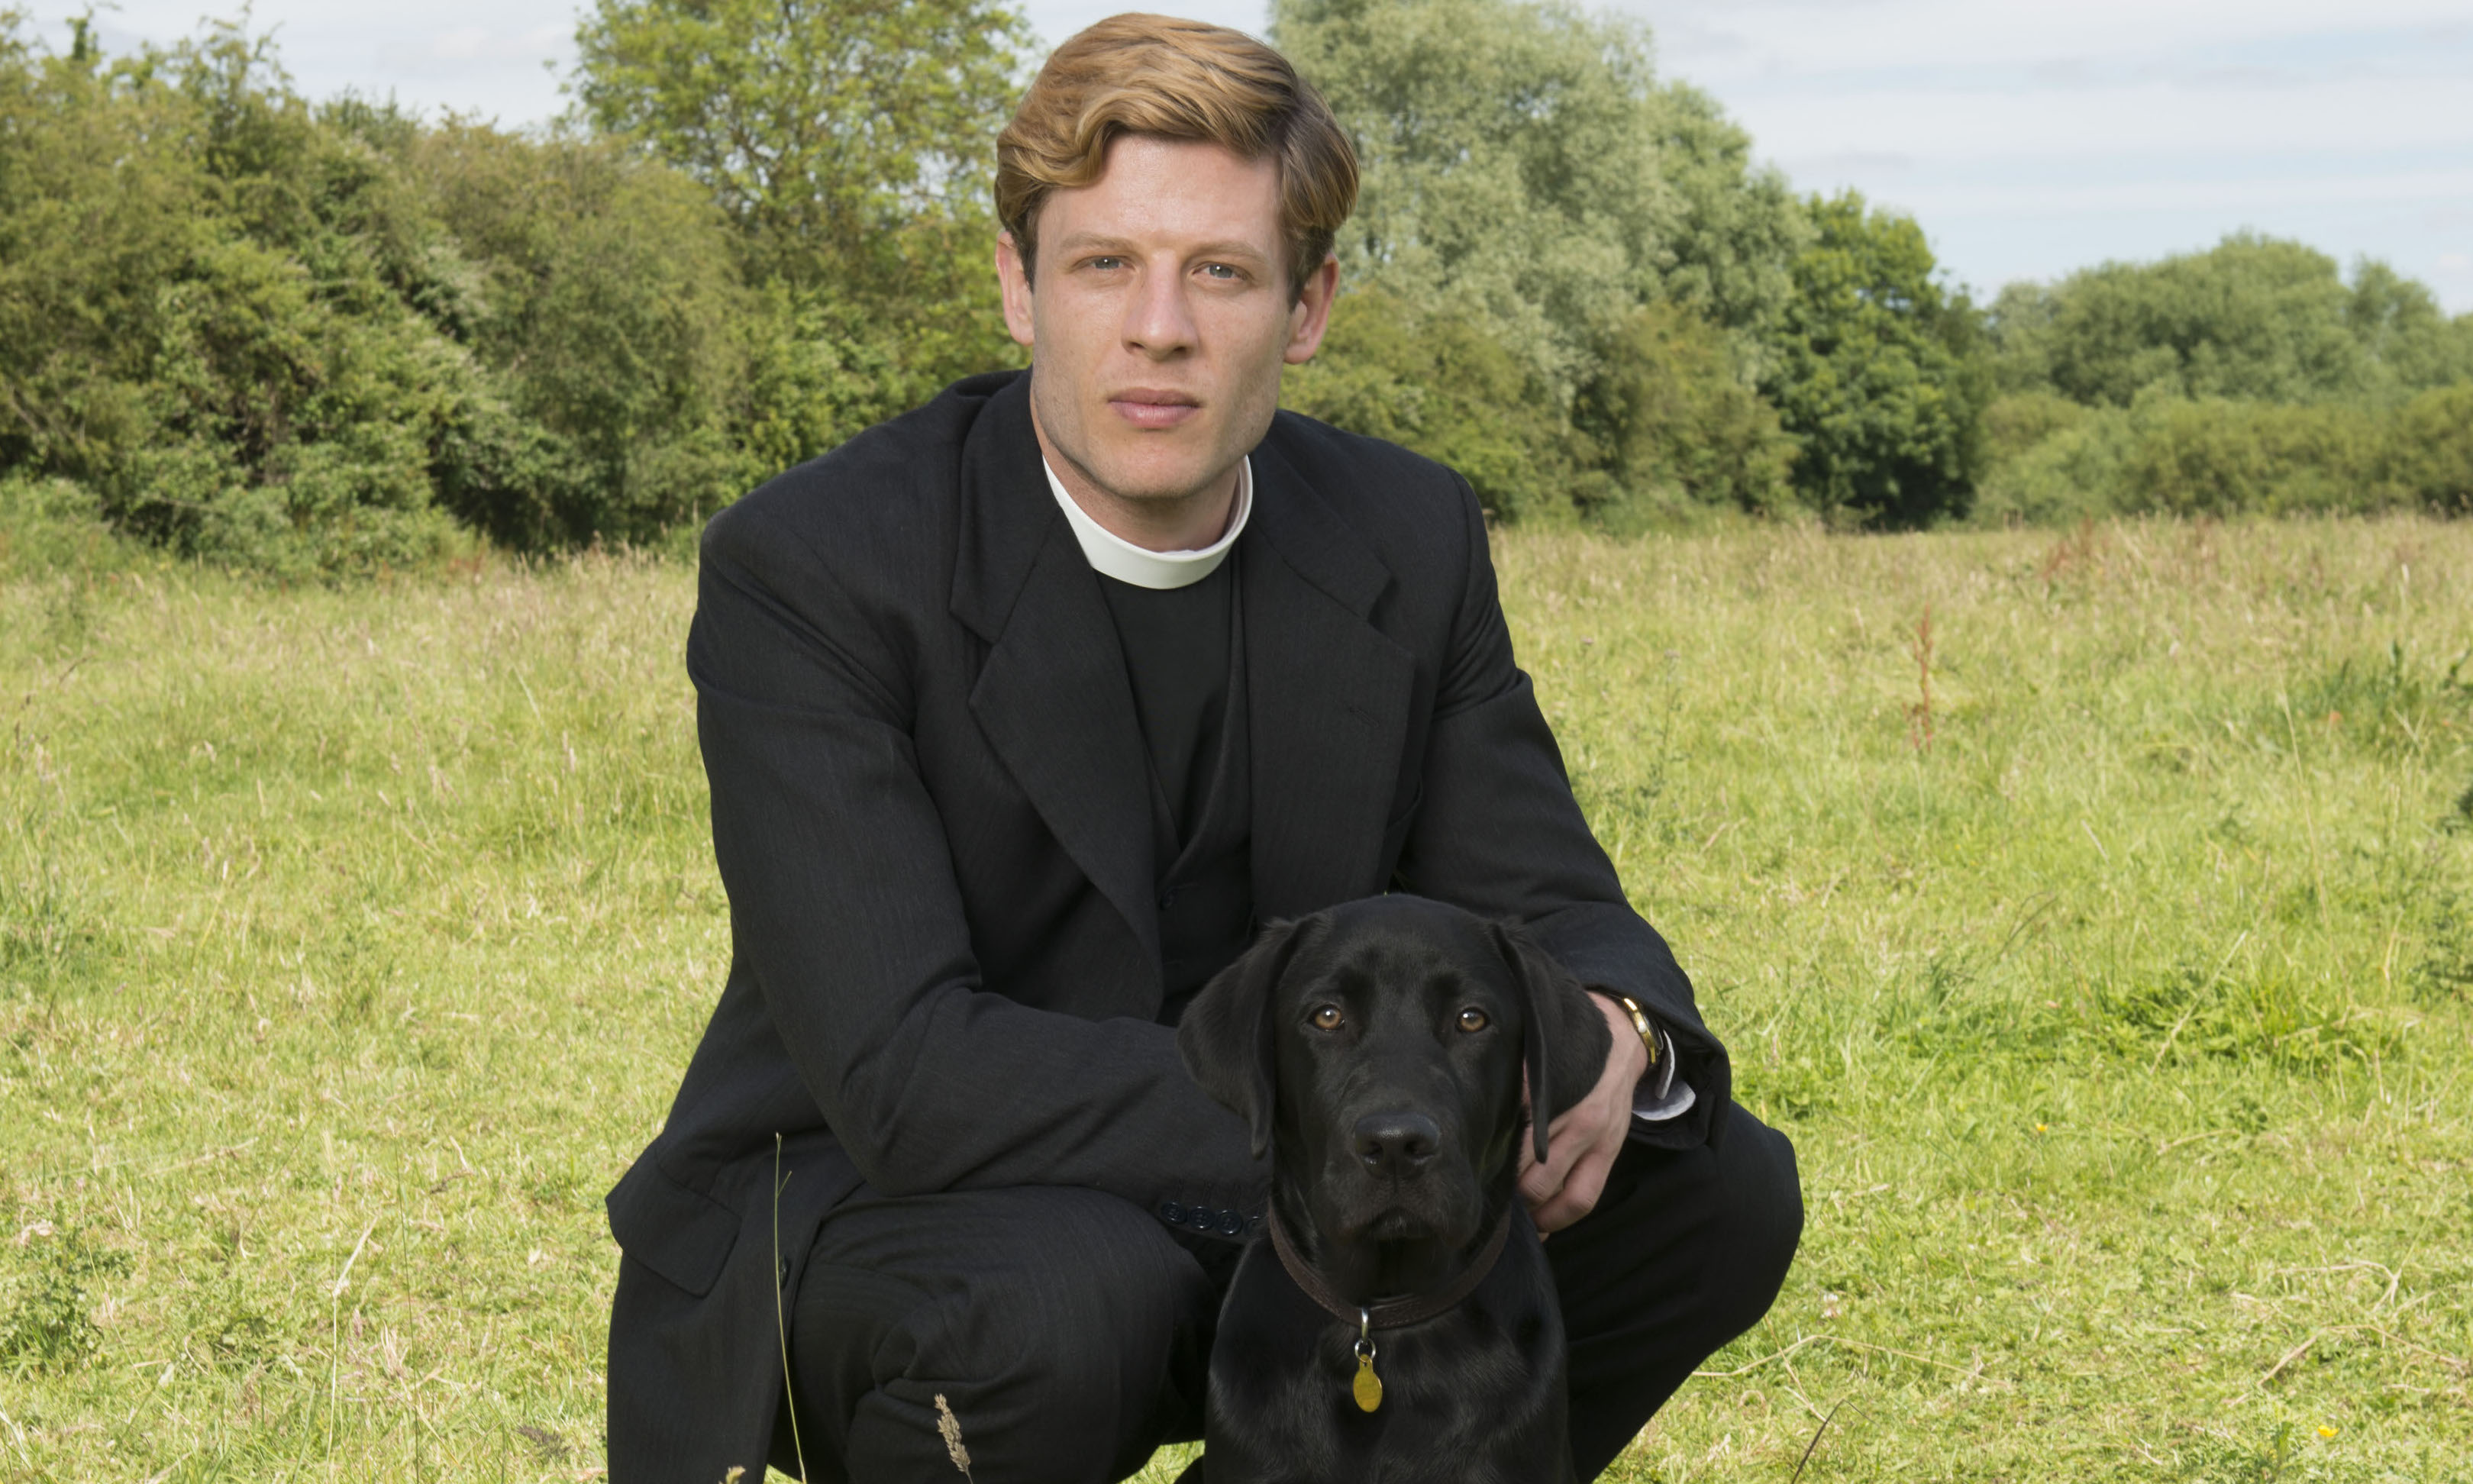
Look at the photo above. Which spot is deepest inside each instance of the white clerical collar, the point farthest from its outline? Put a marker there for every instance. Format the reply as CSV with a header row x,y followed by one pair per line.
x,y
1113,556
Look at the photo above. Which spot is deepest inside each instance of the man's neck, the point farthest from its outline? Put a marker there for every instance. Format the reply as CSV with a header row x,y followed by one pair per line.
x,y
1186,522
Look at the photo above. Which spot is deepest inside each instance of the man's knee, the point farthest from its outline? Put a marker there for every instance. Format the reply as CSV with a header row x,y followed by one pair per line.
x,y
1097,1294
1051,1320
1693,1242
1762,1223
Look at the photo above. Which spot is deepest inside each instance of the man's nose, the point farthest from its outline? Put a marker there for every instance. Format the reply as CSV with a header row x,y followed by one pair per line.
x,y
1396,1144
1159,323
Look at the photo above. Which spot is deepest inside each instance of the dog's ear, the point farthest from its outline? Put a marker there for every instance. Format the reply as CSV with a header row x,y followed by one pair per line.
x,y
1225,1034
1564,1038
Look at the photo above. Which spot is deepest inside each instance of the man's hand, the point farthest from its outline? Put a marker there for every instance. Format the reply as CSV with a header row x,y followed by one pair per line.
x,y
1581,1145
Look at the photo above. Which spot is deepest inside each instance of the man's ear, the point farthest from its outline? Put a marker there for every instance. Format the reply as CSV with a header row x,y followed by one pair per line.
x,y
1563,1039
1311,316
1013,284
1225,1035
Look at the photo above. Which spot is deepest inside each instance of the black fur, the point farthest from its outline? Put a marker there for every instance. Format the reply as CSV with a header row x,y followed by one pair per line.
x,y
1393,1135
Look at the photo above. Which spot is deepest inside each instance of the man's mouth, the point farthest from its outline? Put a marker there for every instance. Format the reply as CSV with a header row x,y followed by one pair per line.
x,y
1146,407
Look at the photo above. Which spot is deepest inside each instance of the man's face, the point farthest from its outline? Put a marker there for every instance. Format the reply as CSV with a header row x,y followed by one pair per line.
x,y
1158,317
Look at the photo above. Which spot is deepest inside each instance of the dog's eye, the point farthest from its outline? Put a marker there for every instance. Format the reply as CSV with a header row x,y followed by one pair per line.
x,y
1472,1020
1326,1017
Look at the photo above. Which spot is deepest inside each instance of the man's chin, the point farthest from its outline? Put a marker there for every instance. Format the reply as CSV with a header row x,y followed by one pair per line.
x,y
1147,479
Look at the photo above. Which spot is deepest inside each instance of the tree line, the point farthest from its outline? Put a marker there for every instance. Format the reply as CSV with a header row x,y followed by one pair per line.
x,y
316,337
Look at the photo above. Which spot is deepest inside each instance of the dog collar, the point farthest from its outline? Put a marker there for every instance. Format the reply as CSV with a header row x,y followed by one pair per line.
x,y
1397,1312
1367,1387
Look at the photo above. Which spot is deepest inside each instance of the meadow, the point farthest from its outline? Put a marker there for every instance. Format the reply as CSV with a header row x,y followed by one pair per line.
x,y
2094,908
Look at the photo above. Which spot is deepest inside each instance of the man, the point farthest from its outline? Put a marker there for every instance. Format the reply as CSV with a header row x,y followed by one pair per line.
x,y
1020,712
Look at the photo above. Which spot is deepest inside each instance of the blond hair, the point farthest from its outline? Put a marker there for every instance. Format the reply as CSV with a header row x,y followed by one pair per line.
x,y
1175,79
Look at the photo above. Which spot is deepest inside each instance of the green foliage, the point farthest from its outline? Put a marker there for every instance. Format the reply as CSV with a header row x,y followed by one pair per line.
x,y
311,341
1524,170
853,146
1872,375
823,128
187,323
1440,386
46,1297
602,293
56,525
2220,457
1674,425
1561,271
2252,319
2429,448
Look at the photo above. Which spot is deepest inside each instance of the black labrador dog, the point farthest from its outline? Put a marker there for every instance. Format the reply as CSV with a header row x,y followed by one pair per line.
x,y
1398,1322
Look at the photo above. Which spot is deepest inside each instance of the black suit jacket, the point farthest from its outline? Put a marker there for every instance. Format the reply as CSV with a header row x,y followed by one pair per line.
x,y
931,814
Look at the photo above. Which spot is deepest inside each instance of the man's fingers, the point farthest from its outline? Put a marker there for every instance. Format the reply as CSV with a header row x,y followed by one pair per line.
x,y
1579,1193
1540,1182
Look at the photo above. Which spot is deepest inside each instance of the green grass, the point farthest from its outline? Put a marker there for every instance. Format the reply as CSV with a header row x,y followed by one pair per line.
x,y
2120,1004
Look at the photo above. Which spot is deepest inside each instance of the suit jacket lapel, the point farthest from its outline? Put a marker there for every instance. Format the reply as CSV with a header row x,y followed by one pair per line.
x,y
1052,697
1328,698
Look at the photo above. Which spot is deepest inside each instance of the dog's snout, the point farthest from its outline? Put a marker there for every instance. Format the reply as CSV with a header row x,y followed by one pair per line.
x,y
1397,1143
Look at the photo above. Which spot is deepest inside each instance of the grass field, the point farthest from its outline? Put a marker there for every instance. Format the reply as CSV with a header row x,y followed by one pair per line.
x,y
2095,910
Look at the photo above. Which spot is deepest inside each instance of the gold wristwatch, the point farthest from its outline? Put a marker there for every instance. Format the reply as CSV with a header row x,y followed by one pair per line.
x,y
1639,1022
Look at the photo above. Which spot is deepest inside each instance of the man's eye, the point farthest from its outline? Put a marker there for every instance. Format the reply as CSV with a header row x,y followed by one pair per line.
x,y
1472,1019
1220,272
1107,264
1326,1017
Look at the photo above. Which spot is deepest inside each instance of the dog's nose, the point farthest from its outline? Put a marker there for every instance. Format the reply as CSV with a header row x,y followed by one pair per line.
x,y
1397,1143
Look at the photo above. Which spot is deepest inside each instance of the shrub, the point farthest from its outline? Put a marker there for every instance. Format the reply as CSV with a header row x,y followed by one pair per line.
x,y
1872,372
308,341
1673,426
2430,449
2218,456
1441,386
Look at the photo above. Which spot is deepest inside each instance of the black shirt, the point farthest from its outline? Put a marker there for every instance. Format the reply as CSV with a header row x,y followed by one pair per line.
x,y
1176,642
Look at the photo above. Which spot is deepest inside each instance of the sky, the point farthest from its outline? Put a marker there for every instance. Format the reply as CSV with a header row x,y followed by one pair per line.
x,y
2029,137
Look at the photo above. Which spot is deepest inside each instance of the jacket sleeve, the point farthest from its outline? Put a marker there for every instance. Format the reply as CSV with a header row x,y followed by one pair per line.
x,y
1498,831
846,913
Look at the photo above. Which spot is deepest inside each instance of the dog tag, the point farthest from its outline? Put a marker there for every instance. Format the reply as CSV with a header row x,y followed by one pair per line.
x,y
1368,1386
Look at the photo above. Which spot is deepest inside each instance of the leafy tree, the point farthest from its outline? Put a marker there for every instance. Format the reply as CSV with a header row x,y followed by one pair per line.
x,y
600,290
2410,341
1525,172
1671,425
1872,372
182,325
298,338
1731,254
852,142
2254,318
1443,387
818,125
1529,190
2429,448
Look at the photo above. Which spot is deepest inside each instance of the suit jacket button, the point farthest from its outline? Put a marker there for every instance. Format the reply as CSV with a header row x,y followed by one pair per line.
x,y
1231,1223
1171,1213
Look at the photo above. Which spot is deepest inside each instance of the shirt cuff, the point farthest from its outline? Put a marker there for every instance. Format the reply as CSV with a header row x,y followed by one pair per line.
x,y
1661,1094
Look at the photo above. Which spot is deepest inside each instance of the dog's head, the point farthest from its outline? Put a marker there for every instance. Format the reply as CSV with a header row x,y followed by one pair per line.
x,y
1378,1049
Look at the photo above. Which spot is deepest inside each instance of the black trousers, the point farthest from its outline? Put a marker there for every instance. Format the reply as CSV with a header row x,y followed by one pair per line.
x,y
1068,1332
